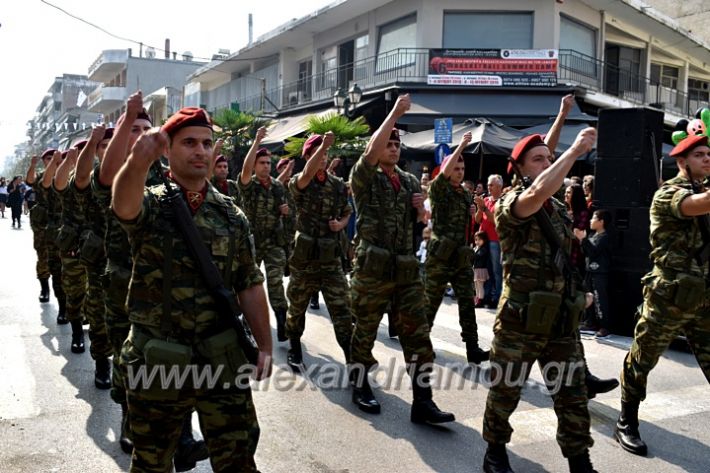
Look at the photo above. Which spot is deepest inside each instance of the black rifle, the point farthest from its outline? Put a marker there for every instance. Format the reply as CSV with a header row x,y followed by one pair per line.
x,y
228,310
703,254
563,261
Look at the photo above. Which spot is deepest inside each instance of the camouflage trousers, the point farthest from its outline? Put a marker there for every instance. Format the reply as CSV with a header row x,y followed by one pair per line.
x,y
39,240
227,420
117,324
74,283
660,323
95,310
274,258
311,277
49,263
438,275
513,353
371,297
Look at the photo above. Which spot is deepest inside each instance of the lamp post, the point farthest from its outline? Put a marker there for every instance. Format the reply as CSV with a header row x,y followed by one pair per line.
x,y
348,101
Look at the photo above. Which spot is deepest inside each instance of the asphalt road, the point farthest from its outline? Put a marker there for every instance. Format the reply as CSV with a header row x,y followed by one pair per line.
x,y
53,419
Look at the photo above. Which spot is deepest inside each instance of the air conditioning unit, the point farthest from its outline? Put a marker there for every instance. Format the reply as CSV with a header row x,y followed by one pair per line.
x,y
293,98
303,97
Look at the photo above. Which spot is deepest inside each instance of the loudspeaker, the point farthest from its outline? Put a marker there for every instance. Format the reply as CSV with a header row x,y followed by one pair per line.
x,y
625,296
626,170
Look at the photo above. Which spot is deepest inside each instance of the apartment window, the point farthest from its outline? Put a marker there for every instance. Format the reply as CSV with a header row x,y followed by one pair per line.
x,y
699,90
493,30
398,34
664,75
361,52
328,72
305,75
578,37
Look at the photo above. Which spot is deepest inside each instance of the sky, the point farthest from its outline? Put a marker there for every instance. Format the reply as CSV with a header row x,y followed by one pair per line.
x,y
38,42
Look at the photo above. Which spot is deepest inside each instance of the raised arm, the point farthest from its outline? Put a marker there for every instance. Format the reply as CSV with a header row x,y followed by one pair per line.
x,y
250,159
51,170
378,142
316,161
127,192
451,163
216,151
31,173
61,178
117,149
85,164
286,174
552,138
552,178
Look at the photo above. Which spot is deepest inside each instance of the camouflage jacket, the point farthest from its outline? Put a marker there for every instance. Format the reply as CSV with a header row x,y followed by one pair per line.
x,y
528,260
450,210
229,188
289,220
261,206
318,203
47,198
71,198
224,229
674,237
385,218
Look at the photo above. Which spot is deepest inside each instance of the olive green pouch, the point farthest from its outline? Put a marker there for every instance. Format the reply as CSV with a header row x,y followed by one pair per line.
x,y
443,248
690,292
542,311
377,261
575,309
328,250
303,248
67,238
172,357
464,257
407,269
92,248
223,350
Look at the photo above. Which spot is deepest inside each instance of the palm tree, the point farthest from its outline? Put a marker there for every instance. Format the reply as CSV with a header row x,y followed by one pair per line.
x,y
350,135
237,130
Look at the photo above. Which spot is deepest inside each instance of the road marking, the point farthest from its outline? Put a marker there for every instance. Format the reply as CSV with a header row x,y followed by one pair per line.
x,y
17,386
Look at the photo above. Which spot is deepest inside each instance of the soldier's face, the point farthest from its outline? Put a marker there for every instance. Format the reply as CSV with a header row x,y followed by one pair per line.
x,y
262,168
139,127
698,160
535,161
190,152
457,175
221,171
391,156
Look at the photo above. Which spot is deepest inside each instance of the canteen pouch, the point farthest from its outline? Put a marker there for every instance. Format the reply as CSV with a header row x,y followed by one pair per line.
x,y
407,269
39,215
690,292
67,238
377,261
92,248
542,311
464,257
172,357
575,309
328,250
442,248
303,248
223,352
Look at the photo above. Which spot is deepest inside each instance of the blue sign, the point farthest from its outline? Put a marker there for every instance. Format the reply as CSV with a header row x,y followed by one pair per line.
x,y
441,152
443,130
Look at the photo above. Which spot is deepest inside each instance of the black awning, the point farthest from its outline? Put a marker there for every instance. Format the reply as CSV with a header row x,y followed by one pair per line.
x,y
518,108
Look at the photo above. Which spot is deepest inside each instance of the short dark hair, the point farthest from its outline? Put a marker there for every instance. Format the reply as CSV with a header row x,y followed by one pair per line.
x,y
482,235
604,216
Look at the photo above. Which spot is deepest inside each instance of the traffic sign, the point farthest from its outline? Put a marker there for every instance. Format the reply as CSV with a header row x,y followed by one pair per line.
x,y
443,130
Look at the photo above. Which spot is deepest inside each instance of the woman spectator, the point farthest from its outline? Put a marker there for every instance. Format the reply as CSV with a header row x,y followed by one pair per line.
x,y
14,200
578,212
3,195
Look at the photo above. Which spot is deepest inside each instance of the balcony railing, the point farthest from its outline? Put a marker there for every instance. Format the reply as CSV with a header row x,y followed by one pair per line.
x,y
106,97
410,65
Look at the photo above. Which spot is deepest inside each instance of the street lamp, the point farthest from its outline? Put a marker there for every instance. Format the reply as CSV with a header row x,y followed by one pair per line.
x,y
348,101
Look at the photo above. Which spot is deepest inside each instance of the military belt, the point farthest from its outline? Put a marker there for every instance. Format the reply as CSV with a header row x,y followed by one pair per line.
x,y
515,296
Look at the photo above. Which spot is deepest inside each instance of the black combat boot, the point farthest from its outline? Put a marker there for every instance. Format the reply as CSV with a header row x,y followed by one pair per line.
x,y
496,459
294,357
363,397
77,337
474,353
280,325
125,440
581,463
102,375
44,293
315,304
189,451
62,314
627,429
424,410
392,320
598,386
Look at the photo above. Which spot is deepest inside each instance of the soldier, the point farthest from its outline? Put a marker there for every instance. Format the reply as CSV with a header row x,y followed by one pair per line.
x,y
675,297
285,169
387,202
226,186
322,211
182,332
533,321
449,253
44,219
264,203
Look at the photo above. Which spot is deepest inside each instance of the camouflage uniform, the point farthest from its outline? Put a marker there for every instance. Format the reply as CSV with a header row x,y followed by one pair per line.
x,y
315,264
451,216
227,415
528,265
44,220
38,223
261,206
229,188
674,241
385,221
289,222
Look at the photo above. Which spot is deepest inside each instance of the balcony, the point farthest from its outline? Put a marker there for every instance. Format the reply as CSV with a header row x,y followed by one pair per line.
x,y
108,65
105,99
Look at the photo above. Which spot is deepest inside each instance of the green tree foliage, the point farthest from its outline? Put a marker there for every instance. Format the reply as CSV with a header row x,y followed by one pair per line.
x,y
350,135
237,130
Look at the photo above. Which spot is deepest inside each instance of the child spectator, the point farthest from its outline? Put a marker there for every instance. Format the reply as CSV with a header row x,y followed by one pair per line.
x,y
480,266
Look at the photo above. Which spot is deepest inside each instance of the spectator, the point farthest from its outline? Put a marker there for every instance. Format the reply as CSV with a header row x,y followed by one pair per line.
x,y
479,190
588,188
3,195
468,185
597,250
14,200
480,266
578,212
421,252
485,217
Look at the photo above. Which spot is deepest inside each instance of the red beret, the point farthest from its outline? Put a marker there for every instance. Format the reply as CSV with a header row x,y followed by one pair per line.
x,y
188,116
220,159
311,144
262,152
687,145
394,135
142,115
108,134
282,164
80,145
523,146
48,153
447,158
